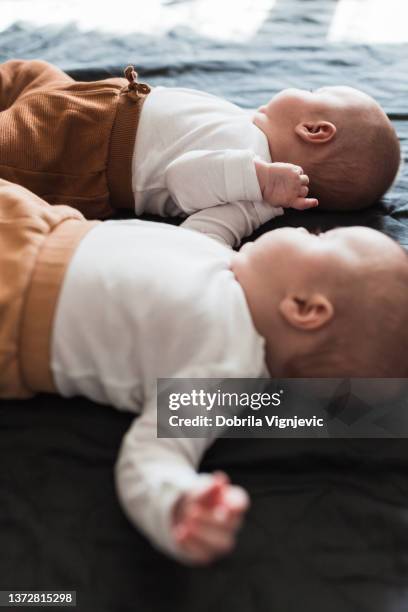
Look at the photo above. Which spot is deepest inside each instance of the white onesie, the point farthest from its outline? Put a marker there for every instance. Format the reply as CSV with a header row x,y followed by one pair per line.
x,y
194,157
140,301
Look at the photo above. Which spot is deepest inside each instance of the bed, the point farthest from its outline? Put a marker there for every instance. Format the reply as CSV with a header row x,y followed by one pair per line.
x,y
328,526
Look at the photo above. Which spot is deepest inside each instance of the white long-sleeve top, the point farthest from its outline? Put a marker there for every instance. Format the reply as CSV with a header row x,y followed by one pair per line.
x,y
142,301
194,157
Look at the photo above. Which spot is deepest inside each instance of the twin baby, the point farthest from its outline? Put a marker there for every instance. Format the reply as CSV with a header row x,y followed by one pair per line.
x,y
104,309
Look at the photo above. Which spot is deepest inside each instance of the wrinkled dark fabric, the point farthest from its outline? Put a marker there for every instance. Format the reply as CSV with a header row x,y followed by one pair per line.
x,y
328,526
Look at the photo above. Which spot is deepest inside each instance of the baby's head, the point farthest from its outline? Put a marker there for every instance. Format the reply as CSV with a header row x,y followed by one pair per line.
x,y
328,305
340,136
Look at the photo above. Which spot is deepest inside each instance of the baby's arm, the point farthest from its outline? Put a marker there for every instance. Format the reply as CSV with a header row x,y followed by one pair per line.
x,y
203,179
230,223
190,516
230,194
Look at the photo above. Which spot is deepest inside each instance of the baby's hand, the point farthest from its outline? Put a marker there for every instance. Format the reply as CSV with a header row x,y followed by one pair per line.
x,y
284,185
207,518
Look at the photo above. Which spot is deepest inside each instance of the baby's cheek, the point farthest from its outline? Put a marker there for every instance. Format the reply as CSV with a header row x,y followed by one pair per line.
x,y
289,102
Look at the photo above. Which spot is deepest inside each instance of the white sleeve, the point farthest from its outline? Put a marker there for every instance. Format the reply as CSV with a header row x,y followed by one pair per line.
x,y
203,179
151,473
230,223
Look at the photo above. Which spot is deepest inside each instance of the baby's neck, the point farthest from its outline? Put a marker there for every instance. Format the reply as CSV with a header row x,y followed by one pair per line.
x,y
261,121
264,325
283,146
279,147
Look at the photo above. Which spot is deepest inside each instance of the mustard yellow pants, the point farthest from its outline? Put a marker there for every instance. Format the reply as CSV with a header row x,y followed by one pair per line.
x,y
37,242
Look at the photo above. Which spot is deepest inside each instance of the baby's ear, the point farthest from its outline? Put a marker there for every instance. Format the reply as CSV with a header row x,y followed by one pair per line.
x,y
307,313
316,132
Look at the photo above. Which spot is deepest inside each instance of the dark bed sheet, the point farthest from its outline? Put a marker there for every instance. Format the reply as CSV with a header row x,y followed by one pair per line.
x,y
328,526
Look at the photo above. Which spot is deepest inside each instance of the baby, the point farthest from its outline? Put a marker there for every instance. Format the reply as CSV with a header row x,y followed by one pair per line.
x,y
104,309
118,143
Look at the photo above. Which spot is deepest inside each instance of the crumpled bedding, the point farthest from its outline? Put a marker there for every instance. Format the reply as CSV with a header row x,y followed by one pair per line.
x,y
327,529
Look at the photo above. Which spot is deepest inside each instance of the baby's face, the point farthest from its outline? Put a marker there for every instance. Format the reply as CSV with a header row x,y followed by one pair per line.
x,y
295,256
299,286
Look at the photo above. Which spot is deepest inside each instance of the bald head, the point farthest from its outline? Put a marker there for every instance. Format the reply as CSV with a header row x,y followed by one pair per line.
x,y
364,157
334,304
342,139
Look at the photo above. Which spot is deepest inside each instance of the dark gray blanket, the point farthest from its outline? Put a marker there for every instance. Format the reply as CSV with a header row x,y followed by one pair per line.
x,y
327,530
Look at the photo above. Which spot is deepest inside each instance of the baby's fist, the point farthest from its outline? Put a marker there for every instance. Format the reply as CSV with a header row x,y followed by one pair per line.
x,y
207,518
284,185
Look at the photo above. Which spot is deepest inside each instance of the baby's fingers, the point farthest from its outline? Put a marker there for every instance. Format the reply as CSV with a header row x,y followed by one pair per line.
x,y
237,500
208,493
209,542
220,518
212,536
195,551
203,543
304,203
